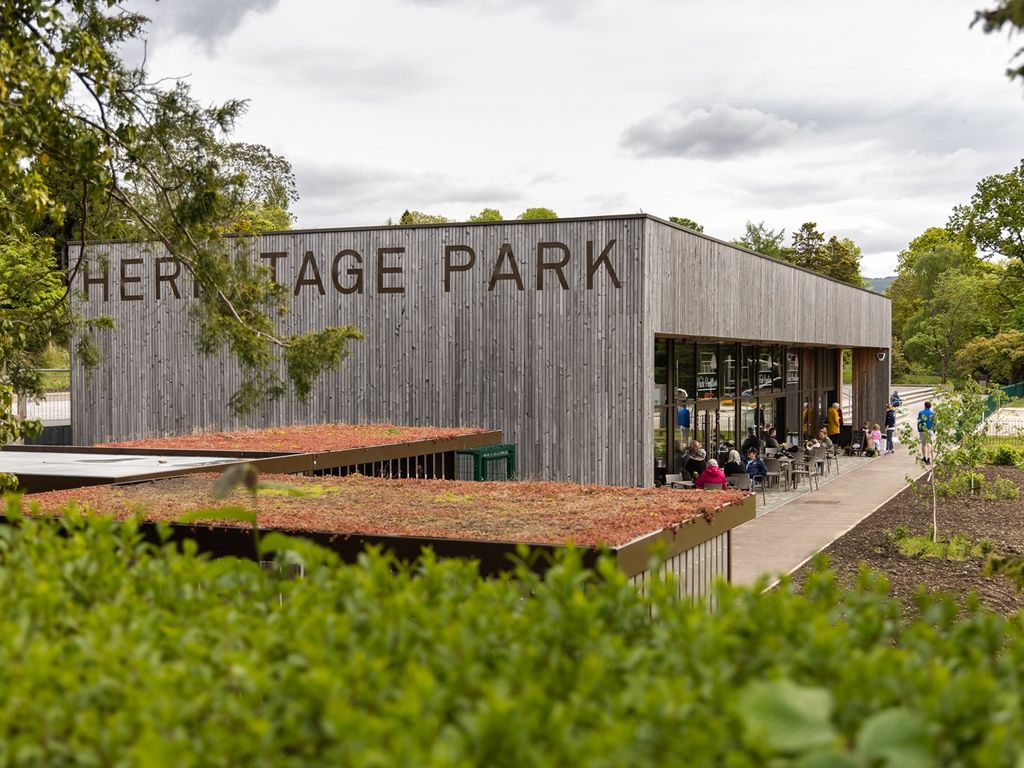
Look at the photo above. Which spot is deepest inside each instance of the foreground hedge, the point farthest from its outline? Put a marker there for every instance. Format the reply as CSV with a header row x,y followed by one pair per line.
x,y
116,653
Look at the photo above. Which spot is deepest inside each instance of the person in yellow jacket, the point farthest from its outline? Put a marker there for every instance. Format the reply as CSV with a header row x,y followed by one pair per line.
x,y
835,422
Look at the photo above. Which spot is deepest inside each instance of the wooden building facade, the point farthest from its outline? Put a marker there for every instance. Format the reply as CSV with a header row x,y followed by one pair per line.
x,y
572,336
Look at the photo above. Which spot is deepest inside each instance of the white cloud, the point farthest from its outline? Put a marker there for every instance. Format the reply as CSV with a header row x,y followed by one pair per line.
x,y
722,131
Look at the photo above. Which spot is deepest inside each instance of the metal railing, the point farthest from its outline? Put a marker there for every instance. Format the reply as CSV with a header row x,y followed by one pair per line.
x,y
53,407
1004,423
1012,391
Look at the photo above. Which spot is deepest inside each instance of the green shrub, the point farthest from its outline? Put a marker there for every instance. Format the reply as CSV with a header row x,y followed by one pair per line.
x,y
957,547
962,484
1002,488
1005,456
115,652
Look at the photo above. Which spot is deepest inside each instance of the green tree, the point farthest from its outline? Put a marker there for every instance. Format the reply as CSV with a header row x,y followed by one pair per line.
x,y
1006,12
418,217
159,162
537,213
683,221
994,219
958,440
835,258
487,214
920,264
760,239
1000,357
946,322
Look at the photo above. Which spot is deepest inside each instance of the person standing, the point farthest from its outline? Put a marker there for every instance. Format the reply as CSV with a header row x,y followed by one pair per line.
x,y
890,427
835,422
925,425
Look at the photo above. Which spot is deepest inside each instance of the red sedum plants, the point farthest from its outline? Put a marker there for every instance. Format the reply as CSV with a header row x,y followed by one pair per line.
x,y
529,512
309,438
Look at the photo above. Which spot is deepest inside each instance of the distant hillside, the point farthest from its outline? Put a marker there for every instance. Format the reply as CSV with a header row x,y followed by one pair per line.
x,y
879,284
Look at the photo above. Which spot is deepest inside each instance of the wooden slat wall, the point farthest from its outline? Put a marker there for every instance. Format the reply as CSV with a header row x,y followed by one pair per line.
x,y
558,371
870,387
700,287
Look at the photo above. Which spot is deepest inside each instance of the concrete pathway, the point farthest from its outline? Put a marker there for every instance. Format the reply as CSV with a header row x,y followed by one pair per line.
x,y
791,530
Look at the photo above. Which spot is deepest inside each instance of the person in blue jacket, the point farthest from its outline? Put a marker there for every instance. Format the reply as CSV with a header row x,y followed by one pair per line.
x,y
755,467
925,426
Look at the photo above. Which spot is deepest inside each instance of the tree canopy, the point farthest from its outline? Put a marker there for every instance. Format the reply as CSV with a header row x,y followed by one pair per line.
x,y
537,213
683,221
1005,13
93,148
760,239
839,259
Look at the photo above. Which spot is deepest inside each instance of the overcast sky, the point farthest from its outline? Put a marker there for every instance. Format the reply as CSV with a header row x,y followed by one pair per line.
x,y
872,119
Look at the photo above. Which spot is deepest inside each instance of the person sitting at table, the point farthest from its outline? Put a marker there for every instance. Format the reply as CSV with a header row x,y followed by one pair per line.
x,y
712,474
769,440
751,441
823,438
755,467
734,466
695,459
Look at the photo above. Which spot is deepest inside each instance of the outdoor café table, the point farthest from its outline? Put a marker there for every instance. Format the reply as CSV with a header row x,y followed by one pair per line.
x,y
682,484
786,465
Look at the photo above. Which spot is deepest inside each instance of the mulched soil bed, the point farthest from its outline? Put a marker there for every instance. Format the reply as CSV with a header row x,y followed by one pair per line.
x,y
533,513
1001,521
311,438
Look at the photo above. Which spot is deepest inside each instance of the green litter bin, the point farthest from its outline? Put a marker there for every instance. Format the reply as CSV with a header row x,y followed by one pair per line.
x,y
489,462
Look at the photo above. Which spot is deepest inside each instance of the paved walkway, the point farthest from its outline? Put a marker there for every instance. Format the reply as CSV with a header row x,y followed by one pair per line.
x,y
793,527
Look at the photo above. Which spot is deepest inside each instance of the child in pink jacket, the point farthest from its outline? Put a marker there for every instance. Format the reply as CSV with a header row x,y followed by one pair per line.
x,y
876,439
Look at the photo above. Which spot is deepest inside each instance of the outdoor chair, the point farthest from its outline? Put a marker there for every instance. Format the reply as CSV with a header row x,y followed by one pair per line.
x,y
832,456
743,483
715,486
820,458
771,451
805,468
775,471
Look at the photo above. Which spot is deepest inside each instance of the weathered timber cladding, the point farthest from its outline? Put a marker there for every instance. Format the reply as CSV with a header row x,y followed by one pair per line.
x,y
870,386
565,373
557,369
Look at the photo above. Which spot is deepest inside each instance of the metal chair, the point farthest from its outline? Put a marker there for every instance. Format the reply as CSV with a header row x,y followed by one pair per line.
x,y
715,486
805,466
833,456
743,483
775,471
820,457
678,481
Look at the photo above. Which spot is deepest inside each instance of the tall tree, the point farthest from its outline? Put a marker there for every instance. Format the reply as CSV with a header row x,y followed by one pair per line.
x,y
1005,13
487,214
947,321
994,219
537,213
760,239
159,162
839,259
418,217
689,223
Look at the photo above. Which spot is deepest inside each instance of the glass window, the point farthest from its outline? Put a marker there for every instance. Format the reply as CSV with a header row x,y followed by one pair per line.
x,y
765,368
727,370
660,403
748,369
685,370
792,369
707,371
